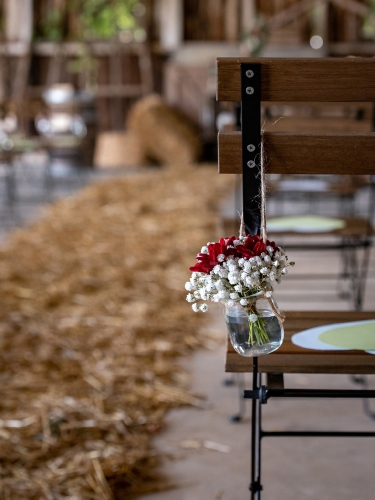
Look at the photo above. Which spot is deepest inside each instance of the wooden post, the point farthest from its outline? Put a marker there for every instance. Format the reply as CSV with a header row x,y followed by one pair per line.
x,y
248,15
170,23
18,20
320,20
232,31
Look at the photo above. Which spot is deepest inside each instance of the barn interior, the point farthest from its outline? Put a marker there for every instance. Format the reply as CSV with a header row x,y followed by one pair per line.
x,y
111,386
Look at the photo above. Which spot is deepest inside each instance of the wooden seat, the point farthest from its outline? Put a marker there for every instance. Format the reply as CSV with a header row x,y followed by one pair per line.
x,y
253,81
293,359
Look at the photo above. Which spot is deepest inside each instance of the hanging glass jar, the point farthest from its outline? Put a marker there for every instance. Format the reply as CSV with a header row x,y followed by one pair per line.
x,y
257,329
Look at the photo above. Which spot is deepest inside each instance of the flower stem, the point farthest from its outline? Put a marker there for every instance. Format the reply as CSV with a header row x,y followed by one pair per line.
x,y
258,330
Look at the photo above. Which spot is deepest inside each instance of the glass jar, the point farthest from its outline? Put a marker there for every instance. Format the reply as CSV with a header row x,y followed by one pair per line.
x,y
254,330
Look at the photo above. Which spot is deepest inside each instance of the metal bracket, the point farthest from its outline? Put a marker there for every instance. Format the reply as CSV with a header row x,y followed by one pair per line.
x,y
255,487
251,146
261,394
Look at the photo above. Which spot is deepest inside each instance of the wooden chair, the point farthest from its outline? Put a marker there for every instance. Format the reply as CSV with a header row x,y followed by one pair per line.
x,y
353,240
302,80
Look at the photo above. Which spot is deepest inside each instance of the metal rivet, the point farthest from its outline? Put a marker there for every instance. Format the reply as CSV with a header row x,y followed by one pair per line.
x,y
251,148
251,164
249,73
249,90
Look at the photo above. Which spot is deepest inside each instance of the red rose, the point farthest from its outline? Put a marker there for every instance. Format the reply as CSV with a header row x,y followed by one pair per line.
x,y
254,246
206,262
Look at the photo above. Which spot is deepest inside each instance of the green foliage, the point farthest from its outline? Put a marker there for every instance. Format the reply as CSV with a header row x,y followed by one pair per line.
x,y
104,19
368,27
96,19
51,28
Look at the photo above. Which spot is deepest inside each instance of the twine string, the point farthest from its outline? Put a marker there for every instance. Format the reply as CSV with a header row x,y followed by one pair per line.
x,y
242,226
263,189
263,193
279,315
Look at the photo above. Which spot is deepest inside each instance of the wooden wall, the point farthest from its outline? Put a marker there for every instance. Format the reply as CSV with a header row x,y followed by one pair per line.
x,y
226,20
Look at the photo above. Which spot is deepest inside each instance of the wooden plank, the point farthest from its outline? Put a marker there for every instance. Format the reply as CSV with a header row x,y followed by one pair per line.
x,y
352,6
304,80
293,359
339,49
288,15
231,20
304,153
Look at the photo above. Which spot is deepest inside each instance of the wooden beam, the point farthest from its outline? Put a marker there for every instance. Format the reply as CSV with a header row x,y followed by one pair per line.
x,y
360,9
304,153
304,80
289,14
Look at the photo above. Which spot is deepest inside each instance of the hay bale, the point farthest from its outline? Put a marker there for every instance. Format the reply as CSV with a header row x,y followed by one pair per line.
x,y
118,149
166,134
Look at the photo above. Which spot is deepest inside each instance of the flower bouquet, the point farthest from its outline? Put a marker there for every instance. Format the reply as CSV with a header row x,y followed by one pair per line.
x,y
241,271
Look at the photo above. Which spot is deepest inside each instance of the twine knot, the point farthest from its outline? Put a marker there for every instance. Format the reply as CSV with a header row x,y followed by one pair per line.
x,y
263,295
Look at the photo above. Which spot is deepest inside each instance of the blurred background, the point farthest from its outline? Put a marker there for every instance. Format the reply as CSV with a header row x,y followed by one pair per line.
x,y
71,71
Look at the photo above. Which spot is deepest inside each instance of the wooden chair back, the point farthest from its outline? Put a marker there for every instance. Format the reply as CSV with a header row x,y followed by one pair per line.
x,y
303,80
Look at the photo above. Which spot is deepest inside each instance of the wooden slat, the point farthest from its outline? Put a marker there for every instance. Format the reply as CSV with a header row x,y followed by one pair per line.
x,y
304,153
304,80
293,359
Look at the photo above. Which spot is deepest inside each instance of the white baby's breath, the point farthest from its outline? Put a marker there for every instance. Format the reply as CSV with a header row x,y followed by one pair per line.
x,y
235,278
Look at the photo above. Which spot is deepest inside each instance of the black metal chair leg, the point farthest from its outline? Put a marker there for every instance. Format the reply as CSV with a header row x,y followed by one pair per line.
x,y
363,382
241,401
362,277
255,485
